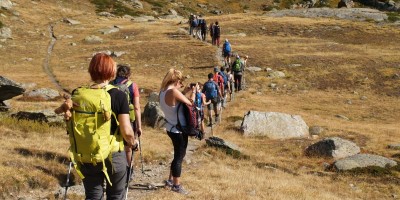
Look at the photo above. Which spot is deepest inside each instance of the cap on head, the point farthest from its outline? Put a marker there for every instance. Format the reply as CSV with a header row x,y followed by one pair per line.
x,y
226,40
216,69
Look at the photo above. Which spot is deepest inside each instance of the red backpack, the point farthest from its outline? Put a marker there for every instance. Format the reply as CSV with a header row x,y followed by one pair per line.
x,y
192,116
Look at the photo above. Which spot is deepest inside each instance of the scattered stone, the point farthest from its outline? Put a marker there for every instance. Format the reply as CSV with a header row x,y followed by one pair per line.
x,y
238,124
217,12
153,97
394,146
109,30
137,4
363,98
171,17
202,6
254,69
78,190
268,69
230,148
274,125
9,89
362,161
72,44
6,4
93,39
342,117
71,21
316,130
334,147
263,28
118,53
106,14
272,85
348,101
295,65
5,33
143,19
153,115
43,93
276,74
172,12
44,116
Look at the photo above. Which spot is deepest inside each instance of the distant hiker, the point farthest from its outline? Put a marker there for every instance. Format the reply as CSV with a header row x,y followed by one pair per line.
x,y
132,92
191,18
195,26
230,81
220,82
226,52
203,28
201,101
216,33
213,94
226,86
97,149
237,68
212,33
170,97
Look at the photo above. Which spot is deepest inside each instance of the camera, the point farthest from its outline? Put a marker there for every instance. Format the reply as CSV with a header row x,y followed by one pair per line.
x,y
192,85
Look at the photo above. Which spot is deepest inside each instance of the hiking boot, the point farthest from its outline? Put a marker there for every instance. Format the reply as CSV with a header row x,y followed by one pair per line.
x,y
179,189
168,183
216,119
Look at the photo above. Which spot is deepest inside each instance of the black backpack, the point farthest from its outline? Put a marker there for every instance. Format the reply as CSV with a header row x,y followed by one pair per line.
x,y
217,31
192,116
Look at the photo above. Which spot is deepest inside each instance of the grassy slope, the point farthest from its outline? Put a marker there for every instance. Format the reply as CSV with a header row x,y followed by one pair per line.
x,y
336,57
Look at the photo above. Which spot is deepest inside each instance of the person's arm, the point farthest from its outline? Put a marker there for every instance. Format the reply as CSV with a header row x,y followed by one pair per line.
x,y
138,115
179,96
126,129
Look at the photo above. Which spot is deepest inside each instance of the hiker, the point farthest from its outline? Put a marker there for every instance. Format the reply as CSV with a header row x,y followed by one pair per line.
x,y
200,102
191,18
230,83
225,84
103,160
132,92
203,28
211,33
170,97
216,33
195,25
237,68
213,94
226,52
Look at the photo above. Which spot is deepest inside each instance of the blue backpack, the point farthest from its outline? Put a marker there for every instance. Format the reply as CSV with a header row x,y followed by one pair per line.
x,y
195,23
227,47
211,89
225,77
198,101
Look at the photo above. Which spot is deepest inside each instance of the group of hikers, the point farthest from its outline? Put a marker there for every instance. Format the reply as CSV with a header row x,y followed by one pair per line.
x,y
198,28
104,120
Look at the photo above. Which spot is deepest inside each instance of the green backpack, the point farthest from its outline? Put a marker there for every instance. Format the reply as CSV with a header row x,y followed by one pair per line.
x,y
89,129
236,67
124,87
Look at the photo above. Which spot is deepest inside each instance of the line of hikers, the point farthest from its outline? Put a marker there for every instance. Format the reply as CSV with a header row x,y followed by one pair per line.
x,y
198,28
104,120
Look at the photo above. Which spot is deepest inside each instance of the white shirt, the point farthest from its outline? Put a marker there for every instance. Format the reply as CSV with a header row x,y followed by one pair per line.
x,y
170,113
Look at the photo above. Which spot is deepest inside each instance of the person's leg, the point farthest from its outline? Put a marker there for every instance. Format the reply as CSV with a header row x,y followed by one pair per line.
x,y
118,176
179,142
93,181
235,78
239,82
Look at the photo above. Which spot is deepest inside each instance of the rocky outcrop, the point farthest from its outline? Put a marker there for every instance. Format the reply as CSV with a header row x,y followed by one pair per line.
x,y
382,5
229,147
274,125
333,147
316,130
109,30
43,94
345,4
357,14
44,116
153,115
9,89
153,97
6,4
93,39
394,146
71,21
363,161
5,33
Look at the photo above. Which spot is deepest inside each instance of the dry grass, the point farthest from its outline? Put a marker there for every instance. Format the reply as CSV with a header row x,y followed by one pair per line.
x,y
340,61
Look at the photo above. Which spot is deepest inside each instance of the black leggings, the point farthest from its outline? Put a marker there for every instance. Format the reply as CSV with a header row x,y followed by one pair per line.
x,y
238,81
180,142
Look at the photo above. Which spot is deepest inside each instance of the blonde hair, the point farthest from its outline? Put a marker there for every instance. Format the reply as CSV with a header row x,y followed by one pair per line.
x,y
171,77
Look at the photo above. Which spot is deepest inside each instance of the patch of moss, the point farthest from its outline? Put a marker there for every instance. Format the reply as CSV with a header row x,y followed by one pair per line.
x,y
393,16
114,7
371,170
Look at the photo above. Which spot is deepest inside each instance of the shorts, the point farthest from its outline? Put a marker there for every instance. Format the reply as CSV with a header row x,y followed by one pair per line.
x,y
227,54
214,102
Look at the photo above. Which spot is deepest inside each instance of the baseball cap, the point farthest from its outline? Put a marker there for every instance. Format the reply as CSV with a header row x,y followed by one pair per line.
x,y
216,69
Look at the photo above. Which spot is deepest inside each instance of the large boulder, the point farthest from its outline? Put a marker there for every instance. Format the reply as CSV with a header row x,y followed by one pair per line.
x,y
43,116
229,147
153,97
6,4
9,89
153,115
333,147
274,125
43,94
5,33
363,161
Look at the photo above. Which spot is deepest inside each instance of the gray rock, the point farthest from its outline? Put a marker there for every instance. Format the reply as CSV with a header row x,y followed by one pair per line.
x,y
93,39
202,6
153,115
229,147
217,12
106,14
172,12
5,33
118,53
4,107
394,146
276,74
75,189
71,21
342,117
109,30
43,116
171,17
272,85
362,161
6,4
363,98
333,147
9,89
254,69
238,124
316,130
43,93
274,125
295,65
137,4
153,97
143,19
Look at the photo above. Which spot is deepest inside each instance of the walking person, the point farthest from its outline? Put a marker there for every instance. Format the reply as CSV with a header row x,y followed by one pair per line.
x,y
131,90
201,102
211,27
97,149
237,68
203,27
230,83
226,52
191,18
216,33
212,92
170,98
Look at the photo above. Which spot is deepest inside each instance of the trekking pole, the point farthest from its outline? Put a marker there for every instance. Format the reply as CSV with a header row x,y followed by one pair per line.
x,y
141,157
67,184
129,175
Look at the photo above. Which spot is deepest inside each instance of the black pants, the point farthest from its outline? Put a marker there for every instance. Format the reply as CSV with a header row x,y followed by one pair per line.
x,y
180,142
238,81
